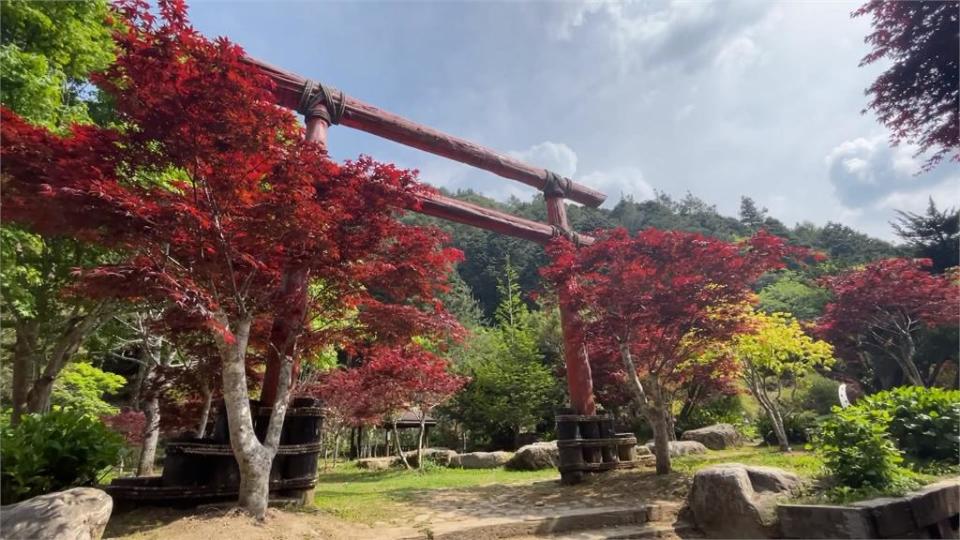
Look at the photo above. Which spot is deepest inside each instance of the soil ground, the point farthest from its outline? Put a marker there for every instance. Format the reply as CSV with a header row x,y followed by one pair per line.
x,y
356,504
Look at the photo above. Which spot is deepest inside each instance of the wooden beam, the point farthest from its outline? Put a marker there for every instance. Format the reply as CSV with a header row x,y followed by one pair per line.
x,y
471,214
365,117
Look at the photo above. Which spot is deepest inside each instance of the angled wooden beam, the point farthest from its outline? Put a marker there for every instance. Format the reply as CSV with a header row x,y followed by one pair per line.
x,y
442,207
365,117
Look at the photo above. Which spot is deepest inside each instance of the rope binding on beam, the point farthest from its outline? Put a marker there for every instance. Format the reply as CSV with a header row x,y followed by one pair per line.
x,y
314,92
566,233
555,185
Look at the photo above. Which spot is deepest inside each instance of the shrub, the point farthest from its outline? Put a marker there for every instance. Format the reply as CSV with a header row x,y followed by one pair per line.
x,y
856,448
798,425
818,394
61,449
81,386
925,422
726,409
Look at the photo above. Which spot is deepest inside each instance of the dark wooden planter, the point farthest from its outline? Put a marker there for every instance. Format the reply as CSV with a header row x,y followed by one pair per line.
x,y
200,470
590,444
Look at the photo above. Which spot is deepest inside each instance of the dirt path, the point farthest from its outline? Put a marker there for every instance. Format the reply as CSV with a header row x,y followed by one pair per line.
x,y
216,523
415,514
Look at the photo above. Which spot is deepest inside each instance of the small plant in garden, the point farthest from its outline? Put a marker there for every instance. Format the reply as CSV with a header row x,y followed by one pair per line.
x,y
797,425
924,422
61,449
82,386
857,450
775,354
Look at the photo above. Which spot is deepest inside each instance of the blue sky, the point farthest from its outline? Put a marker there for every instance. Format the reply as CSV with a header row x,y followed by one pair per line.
x,y
720,99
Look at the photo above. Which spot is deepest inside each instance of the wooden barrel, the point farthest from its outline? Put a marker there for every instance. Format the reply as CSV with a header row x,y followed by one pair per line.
x,y
567,425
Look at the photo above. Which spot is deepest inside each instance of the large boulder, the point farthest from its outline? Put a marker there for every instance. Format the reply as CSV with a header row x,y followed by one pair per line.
x,y
74,514
481,460
739,501
376,463
715,437
536,456
440,456
682,448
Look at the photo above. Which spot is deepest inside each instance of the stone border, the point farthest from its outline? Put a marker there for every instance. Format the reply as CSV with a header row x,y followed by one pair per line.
x,y
569,522
931,512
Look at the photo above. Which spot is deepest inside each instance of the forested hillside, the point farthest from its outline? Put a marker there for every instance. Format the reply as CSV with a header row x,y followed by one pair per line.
x,y
487,252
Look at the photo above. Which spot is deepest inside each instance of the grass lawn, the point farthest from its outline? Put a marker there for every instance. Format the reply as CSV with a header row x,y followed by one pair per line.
x,y
366,496
370,496
803,463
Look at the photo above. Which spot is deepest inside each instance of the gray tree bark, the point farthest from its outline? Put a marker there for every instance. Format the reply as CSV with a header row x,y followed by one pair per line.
x,y
396,438
24,362
253,457
38,398
205,411
151,435
423,429
653,409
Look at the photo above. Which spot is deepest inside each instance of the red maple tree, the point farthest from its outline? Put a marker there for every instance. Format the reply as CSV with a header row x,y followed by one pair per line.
x,y
917,97
658,299
208,192
390,381
883,309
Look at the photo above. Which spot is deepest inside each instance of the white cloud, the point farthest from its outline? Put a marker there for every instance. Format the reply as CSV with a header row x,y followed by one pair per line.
x,y
676,32
556,157
872,180
738,55
866,171
618,183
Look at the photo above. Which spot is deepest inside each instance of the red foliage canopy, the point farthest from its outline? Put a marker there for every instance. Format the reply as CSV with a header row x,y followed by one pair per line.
x,y
883,306
389,382
667,294
209,192
918,96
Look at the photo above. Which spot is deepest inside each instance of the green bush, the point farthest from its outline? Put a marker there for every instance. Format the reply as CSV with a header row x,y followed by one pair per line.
x,y
61,449
726,409
818,394
798,425
856,448
925,422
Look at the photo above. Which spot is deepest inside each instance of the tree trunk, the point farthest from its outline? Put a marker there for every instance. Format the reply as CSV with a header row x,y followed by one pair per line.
x,y
336,447
652,408
658,421
253,458
756,385
423,429
670,423
24,361
396,437
151,434
38,399
205,411
906,363
776,419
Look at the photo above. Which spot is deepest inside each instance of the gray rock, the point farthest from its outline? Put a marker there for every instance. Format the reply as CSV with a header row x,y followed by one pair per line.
x,y
644,450
376,463
481,460
682,448
715,437
536,456
74,514
440,456
739,501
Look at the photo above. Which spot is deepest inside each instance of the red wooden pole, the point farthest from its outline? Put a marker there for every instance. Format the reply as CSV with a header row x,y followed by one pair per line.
x,y
293,293
288,91
471,214
579,378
